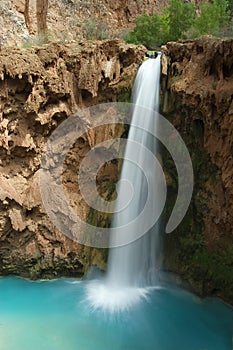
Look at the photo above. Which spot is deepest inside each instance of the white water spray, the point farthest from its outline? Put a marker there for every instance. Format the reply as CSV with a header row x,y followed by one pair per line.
x,y
133,268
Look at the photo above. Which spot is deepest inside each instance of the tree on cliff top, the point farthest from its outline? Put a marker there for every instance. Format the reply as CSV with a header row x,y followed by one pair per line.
x,y
149,31
179,21
180,17
175,20
214,17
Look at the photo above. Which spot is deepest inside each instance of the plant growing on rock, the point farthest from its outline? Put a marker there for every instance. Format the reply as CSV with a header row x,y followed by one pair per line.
x,y
149,31
155,30
214,16
180,17
179,21
95,29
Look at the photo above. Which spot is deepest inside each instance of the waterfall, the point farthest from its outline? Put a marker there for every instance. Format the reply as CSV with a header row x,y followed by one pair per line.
x,y
132,268
135,264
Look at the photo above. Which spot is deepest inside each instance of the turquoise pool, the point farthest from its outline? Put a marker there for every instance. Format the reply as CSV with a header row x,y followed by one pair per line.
x,y
54,315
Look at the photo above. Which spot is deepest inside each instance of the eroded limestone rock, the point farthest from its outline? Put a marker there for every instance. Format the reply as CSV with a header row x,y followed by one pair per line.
x,y
197,98
41,87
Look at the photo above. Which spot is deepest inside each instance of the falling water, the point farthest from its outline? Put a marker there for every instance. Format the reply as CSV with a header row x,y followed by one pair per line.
x,y
133,267
135,264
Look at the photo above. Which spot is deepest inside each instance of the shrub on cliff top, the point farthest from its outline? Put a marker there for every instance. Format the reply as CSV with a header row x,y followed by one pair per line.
x,y
179,21
180,17
155,30
214,17
149,31
95,29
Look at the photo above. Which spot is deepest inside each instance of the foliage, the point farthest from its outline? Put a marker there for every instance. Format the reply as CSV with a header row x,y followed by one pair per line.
x,y
180,17
179,21
124,94
38,40
214,16
226,31
230,7
149,31
96,29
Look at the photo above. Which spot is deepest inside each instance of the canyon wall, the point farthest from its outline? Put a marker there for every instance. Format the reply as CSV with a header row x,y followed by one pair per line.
x,y
43,86
72,20
40,88
197,97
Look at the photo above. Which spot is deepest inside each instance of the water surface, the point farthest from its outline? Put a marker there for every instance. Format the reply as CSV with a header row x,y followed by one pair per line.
x,y
53,315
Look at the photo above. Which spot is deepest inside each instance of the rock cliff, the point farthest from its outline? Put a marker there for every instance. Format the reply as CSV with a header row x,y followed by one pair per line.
x,y
40,88
70,20
197,89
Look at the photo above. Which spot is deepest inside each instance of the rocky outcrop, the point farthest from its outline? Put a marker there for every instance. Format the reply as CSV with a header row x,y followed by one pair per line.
x,y
40,88
198,99
74,20
13,30
123,13
70,20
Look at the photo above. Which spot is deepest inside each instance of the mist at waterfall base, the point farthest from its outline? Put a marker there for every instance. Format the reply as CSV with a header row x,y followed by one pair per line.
x,y
130,308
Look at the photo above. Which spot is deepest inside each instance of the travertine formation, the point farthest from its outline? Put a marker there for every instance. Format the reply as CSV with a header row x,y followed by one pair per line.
x,y
198,99
40,88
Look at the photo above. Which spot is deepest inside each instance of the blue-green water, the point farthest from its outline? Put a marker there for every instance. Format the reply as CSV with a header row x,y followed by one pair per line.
x,y
54,316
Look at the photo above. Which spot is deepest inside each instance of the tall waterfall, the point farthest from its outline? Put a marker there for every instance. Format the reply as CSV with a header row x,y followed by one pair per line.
x,y
135,264
132,268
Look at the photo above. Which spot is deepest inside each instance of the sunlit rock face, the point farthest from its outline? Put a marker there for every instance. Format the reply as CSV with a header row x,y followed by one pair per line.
x,y
197,97
40,88
70,20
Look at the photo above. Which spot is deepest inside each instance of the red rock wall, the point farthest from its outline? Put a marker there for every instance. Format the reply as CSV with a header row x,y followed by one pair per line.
x,y
40,88
198,94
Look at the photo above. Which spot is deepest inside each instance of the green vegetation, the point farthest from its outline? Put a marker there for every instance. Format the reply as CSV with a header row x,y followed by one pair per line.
x,y
180,21
38,40
179,17
98,29
213,267
149,31
214,16
230,7
95,29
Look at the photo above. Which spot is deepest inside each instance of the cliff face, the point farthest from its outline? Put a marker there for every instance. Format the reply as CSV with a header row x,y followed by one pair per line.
x,y
40,88
198,99
70,20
